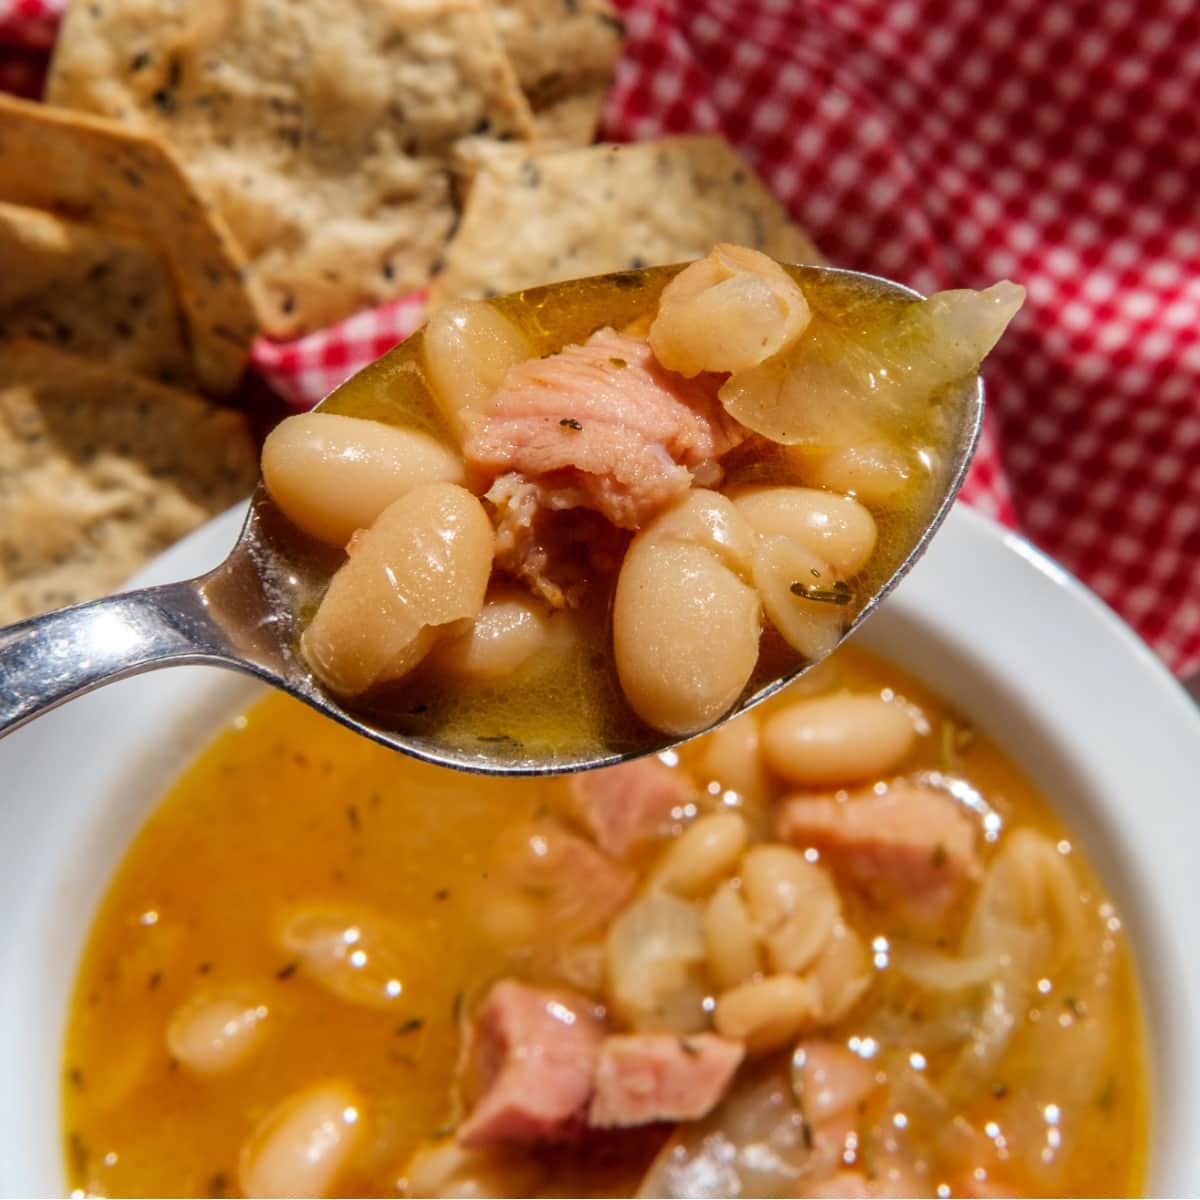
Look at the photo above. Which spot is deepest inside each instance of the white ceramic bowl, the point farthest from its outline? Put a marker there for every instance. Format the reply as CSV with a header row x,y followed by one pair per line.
x,y
1000,631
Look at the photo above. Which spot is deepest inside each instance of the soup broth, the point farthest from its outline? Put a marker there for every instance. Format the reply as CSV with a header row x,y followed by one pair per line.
x,y
288,818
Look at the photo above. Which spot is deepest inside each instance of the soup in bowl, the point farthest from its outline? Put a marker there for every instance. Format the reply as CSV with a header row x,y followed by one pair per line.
x,y
900,932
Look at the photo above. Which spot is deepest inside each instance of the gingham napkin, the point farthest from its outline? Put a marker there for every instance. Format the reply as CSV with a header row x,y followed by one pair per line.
x,y
951,143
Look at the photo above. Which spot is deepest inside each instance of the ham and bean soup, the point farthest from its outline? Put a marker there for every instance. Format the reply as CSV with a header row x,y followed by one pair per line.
x,y
839,947
572,496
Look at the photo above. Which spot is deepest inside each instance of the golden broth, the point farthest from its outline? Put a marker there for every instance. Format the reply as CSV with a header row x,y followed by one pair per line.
x,y
285,807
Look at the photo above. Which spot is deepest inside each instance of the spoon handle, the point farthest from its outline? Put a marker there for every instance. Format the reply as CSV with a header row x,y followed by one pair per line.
x,y
47,660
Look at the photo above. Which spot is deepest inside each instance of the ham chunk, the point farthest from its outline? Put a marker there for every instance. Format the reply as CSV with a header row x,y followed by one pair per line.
x,y
598,426
910,847
532,1058
577,888
625,806
647,1077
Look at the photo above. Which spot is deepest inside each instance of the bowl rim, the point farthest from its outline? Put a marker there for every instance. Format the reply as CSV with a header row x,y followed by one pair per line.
x,y
984,618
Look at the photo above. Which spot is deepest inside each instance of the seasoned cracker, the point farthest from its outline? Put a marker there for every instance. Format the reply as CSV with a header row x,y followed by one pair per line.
x,y
542,218
322,131
563,52
101,173
99,472
94,292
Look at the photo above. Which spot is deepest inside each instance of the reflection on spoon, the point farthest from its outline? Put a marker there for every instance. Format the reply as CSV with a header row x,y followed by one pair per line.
x,y
578,699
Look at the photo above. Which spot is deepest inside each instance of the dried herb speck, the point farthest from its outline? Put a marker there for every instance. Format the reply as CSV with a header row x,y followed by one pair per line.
x,y
839,593
1075,1007
287,971
571,423
78,1152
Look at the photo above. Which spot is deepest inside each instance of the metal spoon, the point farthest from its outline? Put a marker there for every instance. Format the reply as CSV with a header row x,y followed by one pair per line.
x,y
244,614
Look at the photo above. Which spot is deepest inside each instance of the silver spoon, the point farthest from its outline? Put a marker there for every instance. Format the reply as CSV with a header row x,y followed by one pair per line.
x,y
243,615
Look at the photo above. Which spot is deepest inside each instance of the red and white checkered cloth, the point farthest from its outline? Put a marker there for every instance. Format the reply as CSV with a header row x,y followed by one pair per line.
x,y
952,143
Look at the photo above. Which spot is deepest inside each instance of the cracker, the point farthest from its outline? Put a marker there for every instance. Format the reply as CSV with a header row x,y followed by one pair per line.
x,y
99,472
321,131
563,52
94,292
542,218
101,173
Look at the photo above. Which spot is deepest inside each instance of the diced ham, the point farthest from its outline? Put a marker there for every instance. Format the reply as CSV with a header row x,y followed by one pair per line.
x,y
555,553
909,847
597,426
577,887
532,1058
625,806
603,426
645,1077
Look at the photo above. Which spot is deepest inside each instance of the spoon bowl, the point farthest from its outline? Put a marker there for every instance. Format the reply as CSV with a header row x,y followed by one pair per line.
x,y
248,613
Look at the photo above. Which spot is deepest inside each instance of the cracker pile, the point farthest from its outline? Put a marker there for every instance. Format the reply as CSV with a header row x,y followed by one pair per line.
x,y
207,170
100,470
116,282
326,132
541,218
360,152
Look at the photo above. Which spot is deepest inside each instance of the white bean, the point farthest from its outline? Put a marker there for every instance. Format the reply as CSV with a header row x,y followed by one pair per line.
x,y
304,1143
468,348
842,972
727,312
448,1169
513,627
653,955
729,939
836,528
423,565
706,852
793,903
675,601
875,473
768,1013
813,627
831,741
211,1034
332,475
706,518
360,957
732,757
